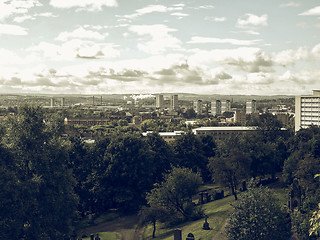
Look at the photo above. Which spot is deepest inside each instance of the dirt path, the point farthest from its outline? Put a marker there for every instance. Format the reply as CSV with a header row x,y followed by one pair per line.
x,y
125,226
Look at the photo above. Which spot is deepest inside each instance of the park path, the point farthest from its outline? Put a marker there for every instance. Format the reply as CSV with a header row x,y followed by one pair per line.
x,y
125,226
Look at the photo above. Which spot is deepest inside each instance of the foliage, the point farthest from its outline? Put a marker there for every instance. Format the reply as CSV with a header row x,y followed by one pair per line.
x,y
40,179
150,215
315,220
190,114
229,168
175,192
128,174
162,155
258,215
189,153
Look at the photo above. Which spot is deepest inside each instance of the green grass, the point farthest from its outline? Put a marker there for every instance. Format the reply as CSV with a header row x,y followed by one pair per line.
x,y
217,212
107,236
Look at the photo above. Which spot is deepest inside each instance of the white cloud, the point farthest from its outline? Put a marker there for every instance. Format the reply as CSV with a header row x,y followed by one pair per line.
x,y
160,38
205,7
179,14
8,8
305,76
251,32
10,29
250,20
216,19
90,5
75,48
259,78
152,9
8,57
290,4
81,33
311,12
21,19
290,56
223,40
246,59
45,14
316,51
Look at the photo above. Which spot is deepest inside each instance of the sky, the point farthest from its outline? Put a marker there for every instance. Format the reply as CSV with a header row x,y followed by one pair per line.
x,y
247,47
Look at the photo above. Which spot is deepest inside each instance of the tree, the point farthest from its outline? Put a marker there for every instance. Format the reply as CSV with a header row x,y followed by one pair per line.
x,y
190,113
315,220
229,169
175,192
150,215
128,171
162,153
11,208
258,215
189,153
44,182
80,161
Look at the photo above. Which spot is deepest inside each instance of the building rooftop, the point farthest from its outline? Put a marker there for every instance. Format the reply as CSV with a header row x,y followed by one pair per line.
x,y
227,128
163,134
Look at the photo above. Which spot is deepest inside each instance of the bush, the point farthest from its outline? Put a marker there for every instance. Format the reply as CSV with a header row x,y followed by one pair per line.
x,y
258,215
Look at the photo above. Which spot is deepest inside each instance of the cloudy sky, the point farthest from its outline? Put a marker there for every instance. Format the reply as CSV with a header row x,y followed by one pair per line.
x,y
149,46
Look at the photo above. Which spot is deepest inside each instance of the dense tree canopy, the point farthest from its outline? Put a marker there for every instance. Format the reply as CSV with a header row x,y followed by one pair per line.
x,y
175,192
40,179
258,215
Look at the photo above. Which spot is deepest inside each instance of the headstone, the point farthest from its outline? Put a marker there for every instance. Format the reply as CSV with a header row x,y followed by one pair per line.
x,y
201,199
206,197
97,237
206,224
177,234
190,236
91,236
244,186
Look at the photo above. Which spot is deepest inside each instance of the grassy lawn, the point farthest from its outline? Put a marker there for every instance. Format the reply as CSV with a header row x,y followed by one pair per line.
x,y
107,236
217,211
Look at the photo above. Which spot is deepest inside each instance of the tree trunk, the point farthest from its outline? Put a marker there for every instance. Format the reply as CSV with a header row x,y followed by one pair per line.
x,y
154,230
234,193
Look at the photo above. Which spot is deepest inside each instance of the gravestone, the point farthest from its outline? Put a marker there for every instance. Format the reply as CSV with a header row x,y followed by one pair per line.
x,y
190,236
201,199
206,197
91,236
206,224
97,237
177,234
244,186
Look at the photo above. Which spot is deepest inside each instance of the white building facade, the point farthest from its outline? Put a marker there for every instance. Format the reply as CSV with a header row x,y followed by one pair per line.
x,y
307,110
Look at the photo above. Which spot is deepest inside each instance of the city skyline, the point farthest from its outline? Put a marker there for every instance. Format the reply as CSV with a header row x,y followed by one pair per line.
x,y
151,46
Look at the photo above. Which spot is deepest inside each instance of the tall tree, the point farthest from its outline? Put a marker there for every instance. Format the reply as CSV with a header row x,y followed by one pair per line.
x,y
229,169
128,173
162,154
176,191
189,153
47,185
150,215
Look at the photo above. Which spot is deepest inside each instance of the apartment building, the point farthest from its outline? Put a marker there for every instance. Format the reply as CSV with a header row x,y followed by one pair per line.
x,y
307,110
